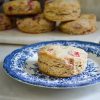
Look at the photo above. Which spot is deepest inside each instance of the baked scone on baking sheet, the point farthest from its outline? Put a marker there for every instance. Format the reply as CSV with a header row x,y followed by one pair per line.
x,y
22,7
83,25
6,22
62,10
62,61
35,24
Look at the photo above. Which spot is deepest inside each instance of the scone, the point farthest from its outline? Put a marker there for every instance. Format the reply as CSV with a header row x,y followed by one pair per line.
x,y
62,10
62,61
83,25
22,7
36,24
5,22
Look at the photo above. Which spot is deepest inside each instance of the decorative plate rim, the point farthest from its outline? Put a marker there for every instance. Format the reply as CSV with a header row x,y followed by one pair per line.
x,y
6,63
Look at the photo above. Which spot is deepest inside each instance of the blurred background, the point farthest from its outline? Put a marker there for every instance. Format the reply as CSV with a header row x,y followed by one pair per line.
x,y
91,6
88,6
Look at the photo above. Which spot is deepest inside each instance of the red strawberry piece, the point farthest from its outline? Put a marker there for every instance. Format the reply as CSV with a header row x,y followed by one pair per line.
x,y
10,8
1,18
76,54
30,3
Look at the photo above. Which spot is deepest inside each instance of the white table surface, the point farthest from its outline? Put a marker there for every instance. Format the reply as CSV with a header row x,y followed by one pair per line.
x,y
12,90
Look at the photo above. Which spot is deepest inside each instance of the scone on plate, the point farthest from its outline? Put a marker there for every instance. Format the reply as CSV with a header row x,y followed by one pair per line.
x,y
83,25
62,10
22,7
62,61
5,22
35,24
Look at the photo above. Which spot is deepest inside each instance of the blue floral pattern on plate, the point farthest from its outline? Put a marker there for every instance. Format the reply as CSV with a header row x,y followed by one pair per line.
x,y
22,65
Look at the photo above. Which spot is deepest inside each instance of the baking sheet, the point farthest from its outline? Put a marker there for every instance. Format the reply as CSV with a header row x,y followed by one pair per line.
x,y
16,37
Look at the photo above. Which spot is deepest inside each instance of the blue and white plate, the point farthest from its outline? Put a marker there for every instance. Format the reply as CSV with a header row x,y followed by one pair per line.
x,y
22,66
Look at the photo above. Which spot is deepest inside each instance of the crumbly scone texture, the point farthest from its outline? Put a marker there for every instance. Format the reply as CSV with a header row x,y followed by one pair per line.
x,y
22,7
62,10
62,61
36,24
83,25
5,22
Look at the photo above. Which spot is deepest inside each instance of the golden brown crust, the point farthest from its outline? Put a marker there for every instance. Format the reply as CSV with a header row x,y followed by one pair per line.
x,y
22,7
35,25
83,25
5,22
62,10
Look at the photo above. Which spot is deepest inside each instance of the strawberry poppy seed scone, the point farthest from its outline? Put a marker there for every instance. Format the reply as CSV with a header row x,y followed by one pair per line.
x,y
83,25
36,24
62,61
5,22
62,10
22,7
